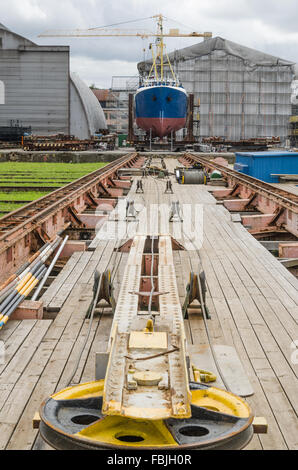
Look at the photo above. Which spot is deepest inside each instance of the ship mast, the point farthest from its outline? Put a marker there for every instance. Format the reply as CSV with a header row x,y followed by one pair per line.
x,y
160,43
160,50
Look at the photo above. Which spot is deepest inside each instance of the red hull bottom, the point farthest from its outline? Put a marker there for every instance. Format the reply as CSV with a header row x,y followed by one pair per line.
x,y
161,127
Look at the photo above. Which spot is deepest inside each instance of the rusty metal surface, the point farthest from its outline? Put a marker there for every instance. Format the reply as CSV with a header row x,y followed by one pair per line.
x,y
282,197
244,192
22,221
124,393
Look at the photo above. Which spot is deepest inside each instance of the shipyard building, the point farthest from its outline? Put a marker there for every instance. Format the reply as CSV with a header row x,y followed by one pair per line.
x,y
239,93
38,90
114,102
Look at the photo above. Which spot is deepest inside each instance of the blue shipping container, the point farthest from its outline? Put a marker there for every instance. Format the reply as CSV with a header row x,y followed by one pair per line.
x,y
262,165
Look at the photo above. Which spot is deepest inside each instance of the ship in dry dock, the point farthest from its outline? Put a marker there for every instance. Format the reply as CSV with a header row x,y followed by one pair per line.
x,y
129,322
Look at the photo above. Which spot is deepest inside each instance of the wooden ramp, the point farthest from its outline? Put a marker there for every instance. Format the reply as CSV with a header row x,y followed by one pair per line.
x,y
252,298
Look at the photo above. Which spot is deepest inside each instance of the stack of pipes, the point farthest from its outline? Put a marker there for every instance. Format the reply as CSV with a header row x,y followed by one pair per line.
x,y
21,284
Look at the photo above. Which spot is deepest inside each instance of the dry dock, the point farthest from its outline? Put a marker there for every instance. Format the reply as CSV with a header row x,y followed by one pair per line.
x,y
252,299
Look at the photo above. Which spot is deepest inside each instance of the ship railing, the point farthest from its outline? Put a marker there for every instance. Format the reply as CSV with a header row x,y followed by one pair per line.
x,y
148,83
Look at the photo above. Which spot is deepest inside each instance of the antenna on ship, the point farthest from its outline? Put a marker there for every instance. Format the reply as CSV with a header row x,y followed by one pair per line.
x,y
160,52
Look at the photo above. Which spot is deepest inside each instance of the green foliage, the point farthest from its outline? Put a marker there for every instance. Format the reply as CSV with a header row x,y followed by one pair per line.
x,y
32,175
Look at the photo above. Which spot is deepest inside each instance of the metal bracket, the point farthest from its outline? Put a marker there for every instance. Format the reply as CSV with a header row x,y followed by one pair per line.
x,y
130,210
104,291
92,204
169,188
280,212
251,200
140,187
41,235
74,215
193,293
175,212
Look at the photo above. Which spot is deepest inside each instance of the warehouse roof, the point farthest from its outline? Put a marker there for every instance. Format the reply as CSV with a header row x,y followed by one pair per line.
x,y
4,27
93,111
12,40
251,57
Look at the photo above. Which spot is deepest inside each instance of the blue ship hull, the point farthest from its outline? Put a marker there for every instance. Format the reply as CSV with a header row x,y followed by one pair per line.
x,y
161,109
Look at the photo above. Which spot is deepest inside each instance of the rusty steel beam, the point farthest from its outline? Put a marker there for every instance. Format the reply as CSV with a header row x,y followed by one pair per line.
x,y
50,214
266,198
134,347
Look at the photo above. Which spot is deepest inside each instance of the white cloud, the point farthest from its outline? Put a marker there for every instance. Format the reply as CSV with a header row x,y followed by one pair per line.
x,y
100,72
266,25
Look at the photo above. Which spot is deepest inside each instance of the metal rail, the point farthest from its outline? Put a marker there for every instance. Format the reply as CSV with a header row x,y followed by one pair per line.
x,y
34,213
280,196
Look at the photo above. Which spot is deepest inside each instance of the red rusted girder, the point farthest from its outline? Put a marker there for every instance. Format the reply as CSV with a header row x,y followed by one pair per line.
x,y
266,198
50,214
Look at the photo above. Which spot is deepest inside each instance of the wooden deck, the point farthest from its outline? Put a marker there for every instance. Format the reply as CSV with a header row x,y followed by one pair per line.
x,y
252,298
290,187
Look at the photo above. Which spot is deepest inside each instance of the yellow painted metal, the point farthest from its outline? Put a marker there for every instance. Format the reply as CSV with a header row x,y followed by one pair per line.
x,y
149,326
4,320
147,378
85,390
212,398
30,286
153,64
204,376
23,282
148,340
119,431
159,35
221,401
123,431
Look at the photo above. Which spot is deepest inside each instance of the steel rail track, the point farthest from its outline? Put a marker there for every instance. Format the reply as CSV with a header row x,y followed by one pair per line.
x,y
280,196
34,213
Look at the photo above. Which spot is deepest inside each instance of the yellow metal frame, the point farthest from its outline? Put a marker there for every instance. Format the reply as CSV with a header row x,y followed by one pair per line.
x,y
152,433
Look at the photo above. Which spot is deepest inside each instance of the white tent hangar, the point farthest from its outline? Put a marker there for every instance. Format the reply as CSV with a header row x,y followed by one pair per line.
x,y
40,92
242,93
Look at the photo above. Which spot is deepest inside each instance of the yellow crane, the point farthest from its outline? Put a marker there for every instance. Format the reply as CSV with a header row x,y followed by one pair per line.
x,y
106,32
159,35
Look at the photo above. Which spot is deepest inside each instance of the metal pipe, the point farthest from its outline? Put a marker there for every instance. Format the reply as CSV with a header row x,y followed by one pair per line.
x,y
22,292
36,293
22,286
22,295
19,286
41,255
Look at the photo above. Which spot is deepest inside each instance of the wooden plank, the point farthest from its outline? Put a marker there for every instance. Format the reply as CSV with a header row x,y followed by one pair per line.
x,y
51,371
12,342
54,359
251,298
60,279
20,392
275,440
62,294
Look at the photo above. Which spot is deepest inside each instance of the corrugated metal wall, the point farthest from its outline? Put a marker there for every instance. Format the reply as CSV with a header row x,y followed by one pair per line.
x,y
36,82
237,101
263,165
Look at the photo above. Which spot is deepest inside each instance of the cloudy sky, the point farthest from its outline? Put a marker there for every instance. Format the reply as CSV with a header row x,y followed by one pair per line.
x,y
266,25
